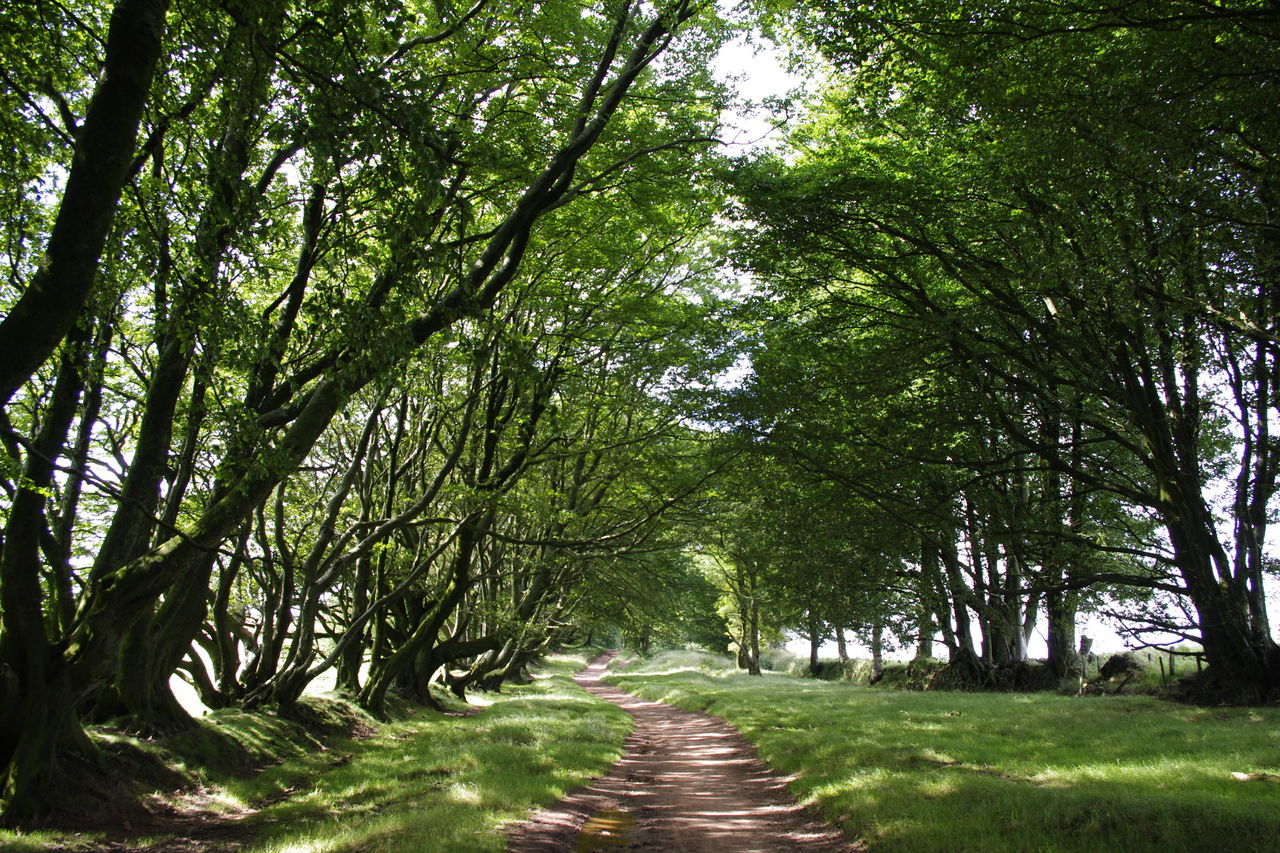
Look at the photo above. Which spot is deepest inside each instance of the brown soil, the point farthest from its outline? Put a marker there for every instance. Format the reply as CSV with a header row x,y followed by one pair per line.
x,y
686,783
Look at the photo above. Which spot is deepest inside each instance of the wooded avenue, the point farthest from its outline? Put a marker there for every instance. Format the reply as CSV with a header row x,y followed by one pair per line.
x,y
398,343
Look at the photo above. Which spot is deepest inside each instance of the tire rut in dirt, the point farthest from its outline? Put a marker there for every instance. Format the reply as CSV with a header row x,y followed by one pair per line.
x,y
692,784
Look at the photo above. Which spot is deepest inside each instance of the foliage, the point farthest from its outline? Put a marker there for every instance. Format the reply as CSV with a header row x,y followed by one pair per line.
x,y
391,341
359,335
1003,243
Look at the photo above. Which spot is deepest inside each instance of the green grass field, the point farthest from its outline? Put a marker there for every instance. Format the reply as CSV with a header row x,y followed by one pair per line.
x,y
900,770
911,771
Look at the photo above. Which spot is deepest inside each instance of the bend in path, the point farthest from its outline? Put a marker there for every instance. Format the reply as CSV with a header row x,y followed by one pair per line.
x,y
686,783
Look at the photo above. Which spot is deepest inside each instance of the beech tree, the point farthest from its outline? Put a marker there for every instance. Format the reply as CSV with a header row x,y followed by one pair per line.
x,y
274,209
1072,258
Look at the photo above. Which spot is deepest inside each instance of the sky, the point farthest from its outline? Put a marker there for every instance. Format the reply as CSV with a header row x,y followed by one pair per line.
x,y
757,72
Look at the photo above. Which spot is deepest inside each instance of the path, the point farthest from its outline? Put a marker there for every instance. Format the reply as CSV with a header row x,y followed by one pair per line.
x,y
686,783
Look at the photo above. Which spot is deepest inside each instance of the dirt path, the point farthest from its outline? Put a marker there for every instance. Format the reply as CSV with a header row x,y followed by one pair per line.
x,y
686,783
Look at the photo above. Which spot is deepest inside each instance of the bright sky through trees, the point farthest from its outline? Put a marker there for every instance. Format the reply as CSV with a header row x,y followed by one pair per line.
x,y
755,68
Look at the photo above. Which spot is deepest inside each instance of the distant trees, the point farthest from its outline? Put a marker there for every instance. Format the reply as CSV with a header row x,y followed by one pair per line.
x,y
1031,251
366,337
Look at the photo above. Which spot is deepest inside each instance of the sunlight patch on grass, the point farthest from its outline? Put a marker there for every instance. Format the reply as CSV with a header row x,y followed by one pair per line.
x,y
467,794
676,661
313,846
13,841
937,757
862,780
934,788
428,783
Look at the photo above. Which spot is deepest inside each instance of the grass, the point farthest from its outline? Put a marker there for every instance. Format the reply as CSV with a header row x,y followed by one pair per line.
x,y
435,783
935,771
426,782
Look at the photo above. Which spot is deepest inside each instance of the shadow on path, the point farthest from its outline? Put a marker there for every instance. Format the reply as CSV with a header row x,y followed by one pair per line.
x,y
686,783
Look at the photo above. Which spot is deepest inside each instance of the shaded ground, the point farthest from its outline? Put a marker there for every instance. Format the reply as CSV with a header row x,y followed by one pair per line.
x,y
686,783
190,820
178,817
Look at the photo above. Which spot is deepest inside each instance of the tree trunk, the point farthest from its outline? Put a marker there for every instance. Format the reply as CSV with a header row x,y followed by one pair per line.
x,y
877,647
1060,613
958,595
753,638
1166,405
933,593
64,593
47,730
104,152
426,634
815,642
37,716
352,659
842,646
924,632
228,628
1240,661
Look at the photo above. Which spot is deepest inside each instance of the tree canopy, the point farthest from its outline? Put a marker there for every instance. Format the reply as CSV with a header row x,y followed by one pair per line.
x,y
404,341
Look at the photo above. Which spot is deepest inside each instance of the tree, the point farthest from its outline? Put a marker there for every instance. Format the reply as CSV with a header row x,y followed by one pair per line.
x,y
298,223
1073,253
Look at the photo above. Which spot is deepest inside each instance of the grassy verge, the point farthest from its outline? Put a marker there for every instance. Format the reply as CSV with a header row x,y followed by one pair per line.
x,y
444,783
427,782
908,771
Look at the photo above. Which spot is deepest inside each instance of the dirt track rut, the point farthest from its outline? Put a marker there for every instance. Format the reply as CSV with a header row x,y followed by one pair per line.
x,y
686,783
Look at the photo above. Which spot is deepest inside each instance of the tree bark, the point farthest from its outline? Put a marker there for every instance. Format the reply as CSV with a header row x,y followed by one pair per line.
x,y
815,641
753,634
877,647
35,685
104,153
1060,613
